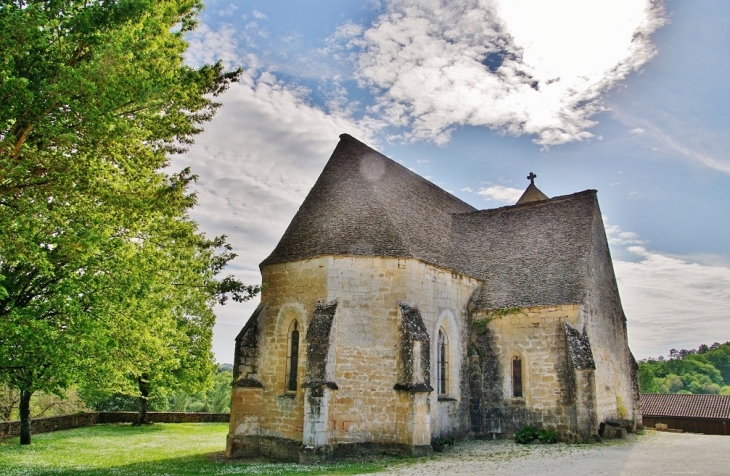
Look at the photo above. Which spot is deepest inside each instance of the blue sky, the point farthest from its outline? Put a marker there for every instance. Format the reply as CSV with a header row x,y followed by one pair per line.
x,y
628,97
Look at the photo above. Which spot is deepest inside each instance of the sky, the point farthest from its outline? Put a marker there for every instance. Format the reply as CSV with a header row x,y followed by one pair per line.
x,y
628,97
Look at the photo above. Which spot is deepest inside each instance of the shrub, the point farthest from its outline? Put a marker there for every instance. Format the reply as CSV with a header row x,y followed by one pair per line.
x,y
526,434
548,436
440,443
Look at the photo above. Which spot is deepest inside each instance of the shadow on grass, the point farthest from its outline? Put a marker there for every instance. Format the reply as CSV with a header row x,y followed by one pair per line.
x,y
105,430
211,464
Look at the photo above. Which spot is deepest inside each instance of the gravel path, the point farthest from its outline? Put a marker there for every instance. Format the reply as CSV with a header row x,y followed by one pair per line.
x,y
653,453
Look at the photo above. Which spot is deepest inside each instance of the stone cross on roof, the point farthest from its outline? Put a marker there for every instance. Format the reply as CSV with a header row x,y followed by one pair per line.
x,y
532,193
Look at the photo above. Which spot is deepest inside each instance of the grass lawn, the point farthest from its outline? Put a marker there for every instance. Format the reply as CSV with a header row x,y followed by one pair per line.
x,y
180,448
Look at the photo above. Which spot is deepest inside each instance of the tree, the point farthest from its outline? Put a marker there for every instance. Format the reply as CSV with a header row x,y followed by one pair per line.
x,y
719,357
216,399
705,370
647,382
94,96
161,339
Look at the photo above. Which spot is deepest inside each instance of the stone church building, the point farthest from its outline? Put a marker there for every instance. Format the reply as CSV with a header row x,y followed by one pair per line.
x,y
394,314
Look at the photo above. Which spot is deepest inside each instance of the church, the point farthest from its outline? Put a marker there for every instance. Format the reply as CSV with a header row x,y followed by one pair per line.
x,y
394,315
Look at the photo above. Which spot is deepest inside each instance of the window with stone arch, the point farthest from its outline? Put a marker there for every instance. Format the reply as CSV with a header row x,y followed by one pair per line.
x,y
517,377
445,357
292,358
442,363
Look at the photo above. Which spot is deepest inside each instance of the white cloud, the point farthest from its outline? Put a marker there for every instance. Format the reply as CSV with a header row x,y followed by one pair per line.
x,y
208,46
258,15
638,130
501,193
678,137
669,301
519,66
256,161
673,303
617,236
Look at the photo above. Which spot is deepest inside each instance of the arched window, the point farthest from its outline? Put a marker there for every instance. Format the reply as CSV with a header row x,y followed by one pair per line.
x,y
292,357
517,377
442,363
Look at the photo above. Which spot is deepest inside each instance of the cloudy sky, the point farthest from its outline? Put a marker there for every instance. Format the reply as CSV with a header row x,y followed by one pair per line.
x,y
628,97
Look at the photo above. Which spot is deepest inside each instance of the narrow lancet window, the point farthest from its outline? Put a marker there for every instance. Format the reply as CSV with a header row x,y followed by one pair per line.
x,y
442,364
517,377
292,358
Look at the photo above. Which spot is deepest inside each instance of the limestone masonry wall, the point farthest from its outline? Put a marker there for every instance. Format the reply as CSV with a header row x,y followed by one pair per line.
x,y
536,336
365,408
356,399
606,327
368,291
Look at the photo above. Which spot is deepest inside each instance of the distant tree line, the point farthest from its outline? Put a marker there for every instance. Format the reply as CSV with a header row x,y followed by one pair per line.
x,y
704,370
216,398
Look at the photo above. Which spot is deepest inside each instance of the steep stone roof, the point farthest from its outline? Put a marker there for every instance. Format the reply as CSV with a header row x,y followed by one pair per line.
x,y
365,204
531,194
685,406
531,254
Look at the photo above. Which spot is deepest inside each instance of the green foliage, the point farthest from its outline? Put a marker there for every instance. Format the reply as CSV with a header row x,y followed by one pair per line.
x,y
104,279
702,371
42,404
647,379
548,436
526,434
119,402
179,449
215,399
719,357
621,409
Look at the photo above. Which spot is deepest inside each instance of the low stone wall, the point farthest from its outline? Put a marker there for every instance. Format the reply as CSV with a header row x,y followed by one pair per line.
x,y
163,417
43,425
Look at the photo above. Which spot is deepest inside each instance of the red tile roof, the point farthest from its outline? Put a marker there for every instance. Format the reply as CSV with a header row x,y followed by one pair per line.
x,y
685,406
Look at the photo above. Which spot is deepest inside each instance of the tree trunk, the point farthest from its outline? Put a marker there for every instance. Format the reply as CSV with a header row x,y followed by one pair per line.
x,y
144,391
25,417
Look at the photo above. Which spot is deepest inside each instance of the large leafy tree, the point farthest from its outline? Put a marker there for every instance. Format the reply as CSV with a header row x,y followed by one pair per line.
x,y
168,318
94,97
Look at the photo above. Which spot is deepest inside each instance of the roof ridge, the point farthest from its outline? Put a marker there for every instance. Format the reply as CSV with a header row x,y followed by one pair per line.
x,y
403,168
549,201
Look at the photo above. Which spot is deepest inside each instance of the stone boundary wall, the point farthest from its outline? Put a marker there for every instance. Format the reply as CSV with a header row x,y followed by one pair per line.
x,y
43,425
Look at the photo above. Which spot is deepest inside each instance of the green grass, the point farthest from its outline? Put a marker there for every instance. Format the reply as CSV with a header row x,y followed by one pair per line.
x,y
181,448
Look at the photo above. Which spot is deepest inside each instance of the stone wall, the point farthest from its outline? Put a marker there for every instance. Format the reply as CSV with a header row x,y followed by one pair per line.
x,y
606,326
368,291
265,415
356,398
44,425
536,336
77,420
164,417
362,407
